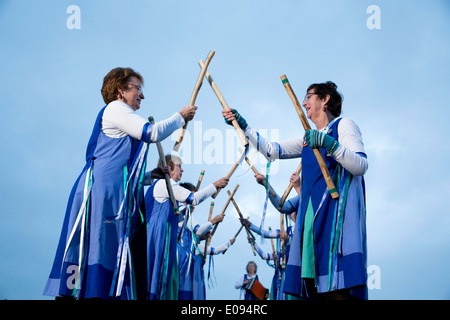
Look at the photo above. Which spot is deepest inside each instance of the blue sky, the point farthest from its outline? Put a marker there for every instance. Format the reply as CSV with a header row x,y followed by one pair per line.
x,y
394,81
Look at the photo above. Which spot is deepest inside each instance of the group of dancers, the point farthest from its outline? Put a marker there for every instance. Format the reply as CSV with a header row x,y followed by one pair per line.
x,y
119,242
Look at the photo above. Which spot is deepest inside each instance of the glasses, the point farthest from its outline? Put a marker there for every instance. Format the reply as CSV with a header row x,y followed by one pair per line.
x,y
137,87
307,96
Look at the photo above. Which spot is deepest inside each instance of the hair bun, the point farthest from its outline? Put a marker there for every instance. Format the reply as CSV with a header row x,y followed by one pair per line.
x,y
331,84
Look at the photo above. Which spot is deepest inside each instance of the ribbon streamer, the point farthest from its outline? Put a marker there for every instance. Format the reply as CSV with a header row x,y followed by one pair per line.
x,y
261,227
126,215
80,217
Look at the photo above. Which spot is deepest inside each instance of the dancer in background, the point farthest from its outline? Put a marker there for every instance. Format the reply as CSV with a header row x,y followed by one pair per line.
x,y
251,269
190,254
283,242
162,227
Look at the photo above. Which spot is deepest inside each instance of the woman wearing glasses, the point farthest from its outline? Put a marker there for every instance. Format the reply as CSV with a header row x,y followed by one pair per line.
x,y
328,254
93,257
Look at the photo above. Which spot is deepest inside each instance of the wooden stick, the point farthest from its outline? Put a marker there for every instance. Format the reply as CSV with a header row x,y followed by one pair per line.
x,y
197,87
211,208
208,240
323,167
225,106
162,157
230,173
288,190
237,233
275,254
249,232
271,190
217,224
226,205
200,179
283,245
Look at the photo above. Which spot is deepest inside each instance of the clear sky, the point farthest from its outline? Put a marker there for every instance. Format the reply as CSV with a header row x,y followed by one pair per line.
x,y
394,80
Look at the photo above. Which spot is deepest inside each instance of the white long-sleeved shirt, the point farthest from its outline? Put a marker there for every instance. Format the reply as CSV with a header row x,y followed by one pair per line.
x,y
274,233
120,120
212,250
181,194
350,153
194,226
200,231
264,255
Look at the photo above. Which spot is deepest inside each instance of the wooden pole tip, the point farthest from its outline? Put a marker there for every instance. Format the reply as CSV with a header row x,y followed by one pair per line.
x,y
284,79
335,195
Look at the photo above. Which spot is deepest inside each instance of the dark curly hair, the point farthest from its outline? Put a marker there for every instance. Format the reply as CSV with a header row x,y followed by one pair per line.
x,y
329,88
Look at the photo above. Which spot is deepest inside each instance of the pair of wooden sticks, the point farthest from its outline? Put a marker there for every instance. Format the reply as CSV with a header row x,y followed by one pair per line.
x,y
205,73
208,240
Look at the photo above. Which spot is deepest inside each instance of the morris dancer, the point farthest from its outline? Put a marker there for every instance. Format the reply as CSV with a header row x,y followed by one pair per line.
x,y
332,262
102,210
198,262
276,290
190,262
290,208
162,226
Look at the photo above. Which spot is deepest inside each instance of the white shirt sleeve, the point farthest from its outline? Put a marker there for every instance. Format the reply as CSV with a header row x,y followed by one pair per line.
x,y
215,250
203,194
239,283
286,149
161,194
261,253
350,147
274,233
219,249
119,120
162,129
181,194
350,140
192,224
203,229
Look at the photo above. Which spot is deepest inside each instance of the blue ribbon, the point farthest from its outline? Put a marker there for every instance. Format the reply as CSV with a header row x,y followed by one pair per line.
x,y
267,198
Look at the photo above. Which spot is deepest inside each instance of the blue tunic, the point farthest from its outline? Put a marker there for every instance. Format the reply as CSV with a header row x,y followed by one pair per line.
x,y
99,223
198,286
277,291
185,263
190,266
162,226
339,229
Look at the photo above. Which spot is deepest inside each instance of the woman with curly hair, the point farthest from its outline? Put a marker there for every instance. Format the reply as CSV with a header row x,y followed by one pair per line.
x,y
93,258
